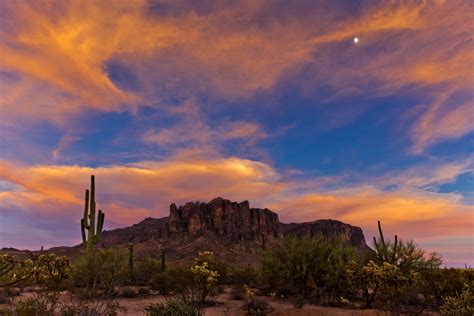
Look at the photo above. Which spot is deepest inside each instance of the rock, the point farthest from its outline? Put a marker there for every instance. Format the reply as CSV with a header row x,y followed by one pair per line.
x,y
328,228
229,223
236,221
235,232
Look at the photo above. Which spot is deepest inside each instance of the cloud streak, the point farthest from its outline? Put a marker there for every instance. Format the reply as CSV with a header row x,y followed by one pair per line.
x,y
129,193
235,51
192,89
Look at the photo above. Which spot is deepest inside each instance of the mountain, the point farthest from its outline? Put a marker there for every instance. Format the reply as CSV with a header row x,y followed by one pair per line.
x,y
235,232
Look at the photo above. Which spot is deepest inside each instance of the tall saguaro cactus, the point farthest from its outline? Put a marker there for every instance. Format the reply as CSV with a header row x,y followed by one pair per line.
x,y
385,251
130,264
89,221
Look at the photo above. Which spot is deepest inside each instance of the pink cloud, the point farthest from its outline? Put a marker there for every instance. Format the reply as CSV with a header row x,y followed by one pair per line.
x,y
128,193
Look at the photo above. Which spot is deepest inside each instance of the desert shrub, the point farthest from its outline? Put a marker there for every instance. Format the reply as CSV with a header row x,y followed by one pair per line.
x,y
205,277
48,303
238,292
43,304
239,276
106,271
145,270
51,270
128,292
106,308
144,290
304,267
394,272
407,256
375,278
191,284
438,283
258,307
8,293
33,307
14,271
459,305
169,281
174,307
46,272
255,306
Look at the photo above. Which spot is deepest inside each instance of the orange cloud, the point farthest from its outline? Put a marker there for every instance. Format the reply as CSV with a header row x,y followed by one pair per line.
x,y
411,214
150,184
367,204
440,123
61,52
426,175
128,193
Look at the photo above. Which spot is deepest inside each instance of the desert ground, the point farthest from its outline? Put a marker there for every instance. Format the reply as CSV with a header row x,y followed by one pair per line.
x,y
226,305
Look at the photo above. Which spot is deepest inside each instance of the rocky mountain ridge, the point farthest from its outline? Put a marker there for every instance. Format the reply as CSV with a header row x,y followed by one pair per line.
x,y
235,232
225,227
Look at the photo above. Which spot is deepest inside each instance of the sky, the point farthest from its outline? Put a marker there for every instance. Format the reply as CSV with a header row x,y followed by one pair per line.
x,y
267,101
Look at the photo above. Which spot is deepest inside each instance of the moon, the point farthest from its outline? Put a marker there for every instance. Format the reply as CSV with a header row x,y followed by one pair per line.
x,y
356,40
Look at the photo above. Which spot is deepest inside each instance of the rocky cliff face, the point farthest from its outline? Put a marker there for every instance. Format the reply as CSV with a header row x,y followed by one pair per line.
x,y
228,223
236,233
328,228
236,221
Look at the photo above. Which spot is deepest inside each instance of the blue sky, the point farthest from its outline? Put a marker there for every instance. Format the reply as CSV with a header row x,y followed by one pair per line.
x,y
268,101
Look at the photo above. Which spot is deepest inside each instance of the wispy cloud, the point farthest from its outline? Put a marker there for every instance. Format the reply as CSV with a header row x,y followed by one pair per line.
x,y
198,65
129,193
172,50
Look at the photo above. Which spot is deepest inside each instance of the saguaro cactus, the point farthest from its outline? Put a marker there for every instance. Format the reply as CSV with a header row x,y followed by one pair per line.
x,y
163,261
130,264
89,221
385,252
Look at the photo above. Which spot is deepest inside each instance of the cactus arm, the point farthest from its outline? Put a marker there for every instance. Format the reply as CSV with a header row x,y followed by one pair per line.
x,y
163,261
382,241
100,224
86,210
91,240
380,232
395,249
83,231
376,244
130,263
92,211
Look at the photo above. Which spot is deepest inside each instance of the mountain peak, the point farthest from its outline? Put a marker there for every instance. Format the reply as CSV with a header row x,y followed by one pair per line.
x,y
235,232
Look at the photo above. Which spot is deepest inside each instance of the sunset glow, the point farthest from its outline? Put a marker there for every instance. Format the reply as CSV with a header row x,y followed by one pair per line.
x,y
349,110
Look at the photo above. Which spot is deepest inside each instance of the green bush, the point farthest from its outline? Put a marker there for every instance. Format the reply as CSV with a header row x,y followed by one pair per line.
x,y
106,308
169,281
394,272
239,276
128,292
438,283
15,271
146,270
191,284
172,308
44,270
52,270
238,292
205,277
257,307
106,271
43,304
459,305
307,267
